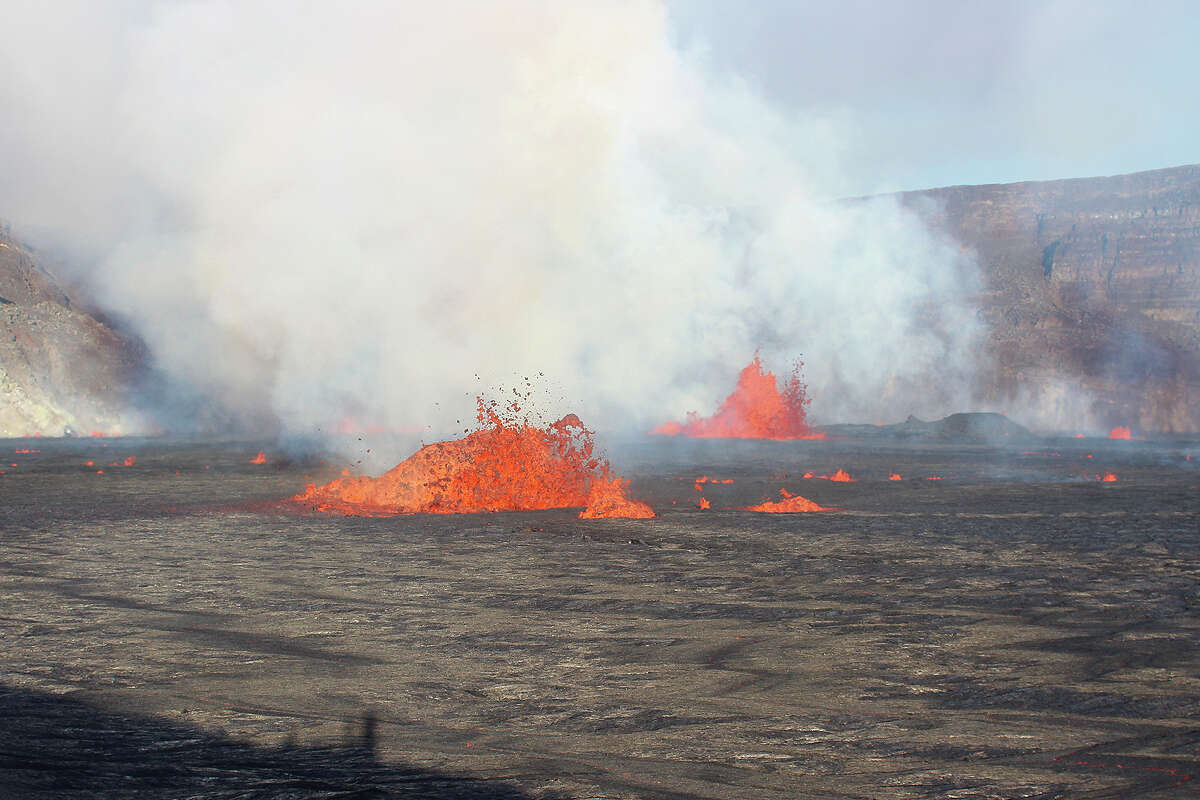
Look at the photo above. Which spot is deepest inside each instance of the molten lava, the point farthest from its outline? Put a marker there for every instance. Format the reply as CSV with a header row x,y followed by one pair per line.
x,y
606,499
895,476
1121,432
792,504
704,504
841,476
504,466
261,458
1108,478
755,410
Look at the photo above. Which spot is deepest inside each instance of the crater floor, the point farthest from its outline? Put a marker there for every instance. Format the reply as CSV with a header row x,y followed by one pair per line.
x,y
1014,629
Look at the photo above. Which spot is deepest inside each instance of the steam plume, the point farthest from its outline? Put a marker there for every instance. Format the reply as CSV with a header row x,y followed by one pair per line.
x,y
329,212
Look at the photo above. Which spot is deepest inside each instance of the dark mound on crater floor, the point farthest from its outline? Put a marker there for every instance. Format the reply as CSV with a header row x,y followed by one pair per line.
x,y
966,427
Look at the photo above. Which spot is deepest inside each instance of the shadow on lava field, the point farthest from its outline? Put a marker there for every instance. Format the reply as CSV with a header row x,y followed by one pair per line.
x,y
1017,628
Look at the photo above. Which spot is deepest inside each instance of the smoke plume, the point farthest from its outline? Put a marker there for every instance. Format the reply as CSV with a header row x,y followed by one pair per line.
x,y
375,210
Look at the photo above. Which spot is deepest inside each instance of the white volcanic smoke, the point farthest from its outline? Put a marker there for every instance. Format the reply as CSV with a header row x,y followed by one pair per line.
x,y
354,211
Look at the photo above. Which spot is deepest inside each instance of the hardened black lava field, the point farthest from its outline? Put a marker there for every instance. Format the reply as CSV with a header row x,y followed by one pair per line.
x,y
1016,628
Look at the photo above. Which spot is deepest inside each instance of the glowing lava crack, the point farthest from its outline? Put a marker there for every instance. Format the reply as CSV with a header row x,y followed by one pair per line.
x,y
503,466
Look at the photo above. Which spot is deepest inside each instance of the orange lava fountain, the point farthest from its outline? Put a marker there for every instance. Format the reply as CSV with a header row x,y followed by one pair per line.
x,y
755,410
606,499
1121,432
261,458
791,504
895,476
503,466
1108,477
841,476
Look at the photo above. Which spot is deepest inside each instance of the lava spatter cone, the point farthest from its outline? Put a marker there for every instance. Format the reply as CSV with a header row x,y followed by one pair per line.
x,y
790,504
756,409
503,466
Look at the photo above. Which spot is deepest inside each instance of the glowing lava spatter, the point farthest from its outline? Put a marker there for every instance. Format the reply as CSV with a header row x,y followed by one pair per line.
x,y
791,504
505,465
606,499
755,410
1121,432
261,458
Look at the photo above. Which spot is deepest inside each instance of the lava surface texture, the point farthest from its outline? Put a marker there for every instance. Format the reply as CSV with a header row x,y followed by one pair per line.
x,y
1018,628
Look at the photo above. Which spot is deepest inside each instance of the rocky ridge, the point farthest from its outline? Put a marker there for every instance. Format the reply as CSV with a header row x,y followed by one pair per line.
x,y
63,370
1090,295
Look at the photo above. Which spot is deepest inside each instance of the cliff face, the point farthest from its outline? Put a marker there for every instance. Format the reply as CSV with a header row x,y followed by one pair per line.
x,y
1090,295
62,370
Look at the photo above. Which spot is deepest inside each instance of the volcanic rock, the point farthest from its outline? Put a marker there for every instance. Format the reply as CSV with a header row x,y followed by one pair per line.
x,y
971,427
1090,294
62,369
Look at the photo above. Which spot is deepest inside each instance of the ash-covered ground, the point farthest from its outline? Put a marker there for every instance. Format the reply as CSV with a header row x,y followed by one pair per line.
x,y
1011,630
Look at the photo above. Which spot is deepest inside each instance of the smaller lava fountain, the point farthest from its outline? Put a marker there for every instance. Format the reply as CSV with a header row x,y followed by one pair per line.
x,y
505,465
755,410
1121,432
790,504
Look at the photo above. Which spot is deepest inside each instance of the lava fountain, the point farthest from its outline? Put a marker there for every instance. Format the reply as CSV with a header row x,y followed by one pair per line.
x,y
505,465
790,504
756,409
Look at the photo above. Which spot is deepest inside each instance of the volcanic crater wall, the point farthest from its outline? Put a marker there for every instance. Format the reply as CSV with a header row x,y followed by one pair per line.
x,y
62,369
1090,295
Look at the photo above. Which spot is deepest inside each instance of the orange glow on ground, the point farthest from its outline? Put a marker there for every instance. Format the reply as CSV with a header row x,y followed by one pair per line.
x,y
794,504
505,465
755,410
606,499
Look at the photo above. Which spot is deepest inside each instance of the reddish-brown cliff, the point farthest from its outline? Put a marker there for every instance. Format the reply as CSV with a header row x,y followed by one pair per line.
x,y
1090,295
62,370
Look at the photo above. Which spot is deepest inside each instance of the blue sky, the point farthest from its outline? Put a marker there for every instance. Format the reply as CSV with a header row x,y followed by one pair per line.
x,y
938,92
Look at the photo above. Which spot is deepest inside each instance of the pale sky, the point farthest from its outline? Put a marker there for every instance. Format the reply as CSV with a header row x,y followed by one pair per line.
x,y
944,92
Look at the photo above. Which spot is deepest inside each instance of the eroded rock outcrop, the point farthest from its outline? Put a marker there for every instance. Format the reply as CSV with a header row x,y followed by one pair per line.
x,y
1090,295
62,369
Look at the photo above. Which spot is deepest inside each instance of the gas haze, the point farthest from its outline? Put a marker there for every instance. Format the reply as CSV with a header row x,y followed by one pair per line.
x,y
351,213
